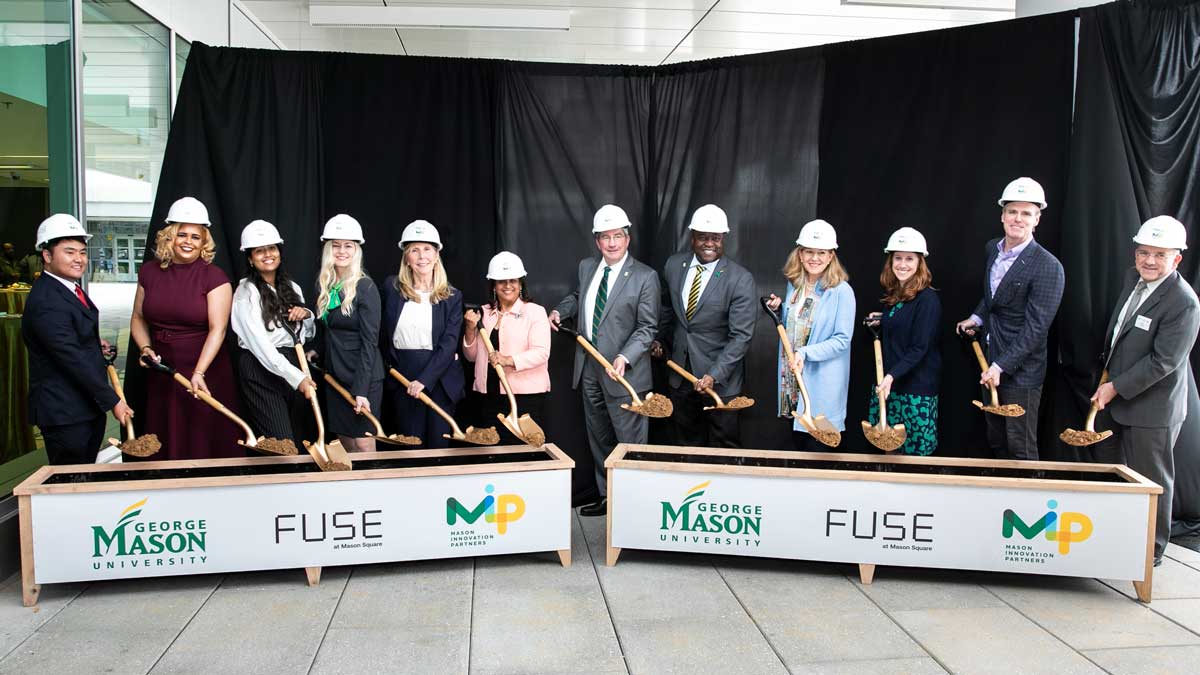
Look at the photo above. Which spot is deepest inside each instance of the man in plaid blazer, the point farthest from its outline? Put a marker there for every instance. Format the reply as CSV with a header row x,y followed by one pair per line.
x,y
1021,293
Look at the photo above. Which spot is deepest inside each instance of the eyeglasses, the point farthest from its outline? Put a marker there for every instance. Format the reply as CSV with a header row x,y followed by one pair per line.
x,y
611,238
816,253
1159,256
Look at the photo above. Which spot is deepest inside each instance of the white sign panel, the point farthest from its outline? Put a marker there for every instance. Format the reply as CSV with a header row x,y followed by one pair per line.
x,y
1089,534
107,535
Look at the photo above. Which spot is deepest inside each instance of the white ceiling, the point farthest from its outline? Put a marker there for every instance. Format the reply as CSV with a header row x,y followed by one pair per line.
x,y
638,32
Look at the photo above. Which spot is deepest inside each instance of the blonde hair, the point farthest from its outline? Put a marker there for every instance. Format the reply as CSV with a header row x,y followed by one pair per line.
x,y
329,276
405,281
164,245
832,276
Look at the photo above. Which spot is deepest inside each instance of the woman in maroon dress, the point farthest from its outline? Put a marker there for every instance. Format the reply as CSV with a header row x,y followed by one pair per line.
x,y
180,314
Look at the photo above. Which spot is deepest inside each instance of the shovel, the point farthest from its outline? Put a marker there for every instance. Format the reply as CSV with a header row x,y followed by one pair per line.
x,y
394,439
1089,435
1006,410
133,446
522,427
485,436
655,405
328,456
820,427
735,403
271,446
882,436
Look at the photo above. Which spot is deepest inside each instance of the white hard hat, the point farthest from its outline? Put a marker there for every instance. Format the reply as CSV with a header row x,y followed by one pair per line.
x,y
505,265
58,226
709,218
1024,189
907,239
343,226
609,217
421,230
1161,231
817,234
188,210
259,233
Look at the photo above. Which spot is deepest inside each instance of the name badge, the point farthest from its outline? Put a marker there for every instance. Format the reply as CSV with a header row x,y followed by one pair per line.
x,y
1142,322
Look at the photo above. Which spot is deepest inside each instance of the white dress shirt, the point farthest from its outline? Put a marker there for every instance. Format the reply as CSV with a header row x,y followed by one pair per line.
x,y
1150,286
247,323
414,328
589,298
71,285
691,274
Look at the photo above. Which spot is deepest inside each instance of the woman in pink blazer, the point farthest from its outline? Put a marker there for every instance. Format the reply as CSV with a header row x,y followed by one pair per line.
x,y
519,333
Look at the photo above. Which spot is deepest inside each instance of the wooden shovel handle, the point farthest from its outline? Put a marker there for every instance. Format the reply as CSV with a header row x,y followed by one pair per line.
x,y
878,381
693,379
1090,423
486,335
427,401
587,346
116,385
983,364
336,386
218,406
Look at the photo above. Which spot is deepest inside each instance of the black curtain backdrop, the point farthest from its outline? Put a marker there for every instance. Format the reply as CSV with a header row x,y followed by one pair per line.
x,y
921,130
1135,155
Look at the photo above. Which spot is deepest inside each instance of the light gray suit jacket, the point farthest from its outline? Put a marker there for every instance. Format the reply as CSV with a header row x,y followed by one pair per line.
x,y
627,325
717,338
1149,367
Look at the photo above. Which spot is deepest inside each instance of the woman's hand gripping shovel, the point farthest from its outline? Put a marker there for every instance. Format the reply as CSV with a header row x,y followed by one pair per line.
x,y
523,426
378,434
485,436
881,436
655,405
133,446
820,427
328,456
1006,410
271,446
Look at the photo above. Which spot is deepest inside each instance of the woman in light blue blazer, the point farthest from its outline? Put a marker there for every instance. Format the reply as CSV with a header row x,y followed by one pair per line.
x,y
819,315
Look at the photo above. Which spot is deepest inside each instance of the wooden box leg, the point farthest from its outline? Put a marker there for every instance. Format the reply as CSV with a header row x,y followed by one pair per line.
x,y
313,574
564,556
866,573
1145,587
29,589
610,557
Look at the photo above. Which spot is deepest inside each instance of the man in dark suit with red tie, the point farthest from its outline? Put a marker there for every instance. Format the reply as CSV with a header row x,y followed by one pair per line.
x,y
68,391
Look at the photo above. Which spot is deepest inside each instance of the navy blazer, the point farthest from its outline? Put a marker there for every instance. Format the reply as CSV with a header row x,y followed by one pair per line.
x,y
67,381
442,368
1016,320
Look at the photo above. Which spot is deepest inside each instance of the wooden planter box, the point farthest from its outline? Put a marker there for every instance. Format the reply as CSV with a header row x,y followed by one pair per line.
x,y
112,521
1085,520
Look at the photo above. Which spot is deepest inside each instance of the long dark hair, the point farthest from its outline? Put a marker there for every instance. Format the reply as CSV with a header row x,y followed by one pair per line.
x,y
275,302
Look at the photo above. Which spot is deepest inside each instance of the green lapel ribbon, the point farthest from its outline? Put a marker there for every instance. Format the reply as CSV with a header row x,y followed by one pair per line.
x,y
335,299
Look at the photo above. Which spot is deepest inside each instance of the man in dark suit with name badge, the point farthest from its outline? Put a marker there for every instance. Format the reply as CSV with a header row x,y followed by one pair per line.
x,y
1022,289
706,328
1149,337
68,390
616,307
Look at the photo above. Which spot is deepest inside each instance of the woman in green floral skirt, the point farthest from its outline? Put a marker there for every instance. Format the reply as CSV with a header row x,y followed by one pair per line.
x,y
912,355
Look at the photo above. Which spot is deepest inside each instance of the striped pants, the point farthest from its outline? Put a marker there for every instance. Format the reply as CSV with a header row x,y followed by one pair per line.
x,y
273,408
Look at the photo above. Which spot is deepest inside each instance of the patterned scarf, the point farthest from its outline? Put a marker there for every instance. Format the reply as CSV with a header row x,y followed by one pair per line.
x,y
799,329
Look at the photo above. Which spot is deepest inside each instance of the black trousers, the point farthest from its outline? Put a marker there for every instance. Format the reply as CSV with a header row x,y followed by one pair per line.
x,y
490,405
697,427
74,443
1014,437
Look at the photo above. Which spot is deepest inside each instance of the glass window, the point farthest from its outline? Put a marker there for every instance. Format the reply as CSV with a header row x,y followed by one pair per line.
x,y
182,49
37,178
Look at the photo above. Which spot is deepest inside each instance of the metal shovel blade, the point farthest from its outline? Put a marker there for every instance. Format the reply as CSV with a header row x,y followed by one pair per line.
x,y
884,437
735,403
484,436
1082,438
654,405
145,445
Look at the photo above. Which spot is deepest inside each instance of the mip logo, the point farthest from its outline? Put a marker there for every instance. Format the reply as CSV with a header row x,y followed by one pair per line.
x,y
498,509
1065,528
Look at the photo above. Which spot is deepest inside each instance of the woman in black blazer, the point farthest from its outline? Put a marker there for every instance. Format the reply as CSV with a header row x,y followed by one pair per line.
x,y
422,323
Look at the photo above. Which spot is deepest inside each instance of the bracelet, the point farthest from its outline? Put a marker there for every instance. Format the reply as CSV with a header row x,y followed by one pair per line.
x,y
144,348
198,372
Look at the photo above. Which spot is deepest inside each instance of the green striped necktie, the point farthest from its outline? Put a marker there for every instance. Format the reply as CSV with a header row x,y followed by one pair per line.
x,y
601,298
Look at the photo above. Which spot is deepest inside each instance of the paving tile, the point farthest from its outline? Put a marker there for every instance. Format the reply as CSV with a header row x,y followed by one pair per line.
x,y
724,644
412,597
240,630
18,622
1086,614
541,616
916,666
392,650
1183,554
283,580
1172,580
899,589
1147,660
990,640
1185,612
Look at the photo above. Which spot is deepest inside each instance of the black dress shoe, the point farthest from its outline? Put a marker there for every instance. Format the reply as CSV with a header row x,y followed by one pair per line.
x,y
599,508
1158,562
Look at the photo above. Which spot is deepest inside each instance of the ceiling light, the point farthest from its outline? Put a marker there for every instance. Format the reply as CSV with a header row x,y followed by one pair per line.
x,y
472,18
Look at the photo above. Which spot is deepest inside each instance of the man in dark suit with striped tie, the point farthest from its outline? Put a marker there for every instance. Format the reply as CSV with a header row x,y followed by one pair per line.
x,y
616,307
706,326
1022,288
68,391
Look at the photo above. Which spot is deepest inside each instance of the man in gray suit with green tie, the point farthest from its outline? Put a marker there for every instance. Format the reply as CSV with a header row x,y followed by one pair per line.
x,y
616,306
706,327
1149,337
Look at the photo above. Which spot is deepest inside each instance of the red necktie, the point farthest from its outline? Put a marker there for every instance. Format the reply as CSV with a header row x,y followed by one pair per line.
x,y
82,298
